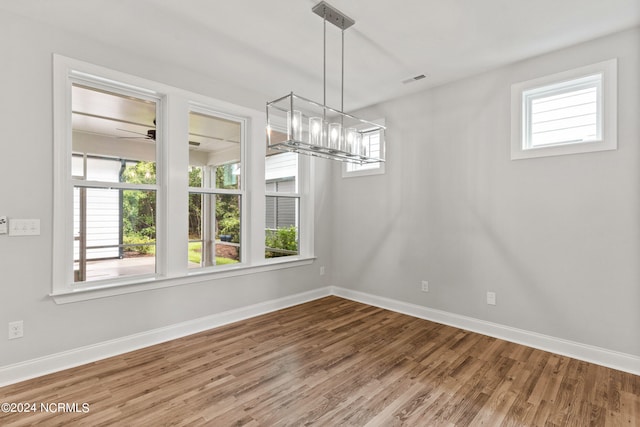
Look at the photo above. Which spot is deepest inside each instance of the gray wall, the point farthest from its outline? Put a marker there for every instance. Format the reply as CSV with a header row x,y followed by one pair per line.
x,y
556,238
26,192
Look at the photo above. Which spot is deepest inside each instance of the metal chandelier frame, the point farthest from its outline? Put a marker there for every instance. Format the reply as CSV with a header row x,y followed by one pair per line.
x,y
301,125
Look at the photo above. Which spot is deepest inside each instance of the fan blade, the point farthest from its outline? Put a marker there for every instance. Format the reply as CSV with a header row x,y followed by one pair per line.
x,y
131,131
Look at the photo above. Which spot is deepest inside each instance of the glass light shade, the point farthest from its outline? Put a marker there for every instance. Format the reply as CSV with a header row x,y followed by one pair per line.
x,y
366,149
319,130
315,131
334,133
294,125
349,140
357,144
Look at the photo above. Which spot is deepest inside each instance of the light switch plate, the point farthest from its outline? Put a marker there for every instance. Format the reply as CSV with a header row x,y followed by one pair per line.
x,y
3,225
24,227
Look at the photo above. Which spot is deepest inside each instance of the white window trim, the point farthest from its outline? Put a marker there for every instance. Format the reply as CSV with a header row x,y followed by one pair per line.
x,y
172,268
609,140
103,291
380,170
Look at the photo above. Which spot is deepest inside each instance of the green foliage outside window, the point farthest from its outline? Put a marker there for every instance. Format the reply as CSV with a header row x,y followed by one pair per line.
x,y
195,204
139,208
227,206
282,238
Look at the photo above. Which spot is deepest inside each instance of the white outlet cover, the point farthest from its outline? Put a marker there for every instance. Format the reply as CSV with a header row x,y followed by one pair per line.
x,y
491,298
16,329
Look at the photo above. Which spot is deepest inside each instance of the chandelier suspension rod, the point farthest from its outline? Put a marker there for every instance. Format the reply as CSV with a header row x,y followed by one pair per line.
x,y
314,128
342,81
324,64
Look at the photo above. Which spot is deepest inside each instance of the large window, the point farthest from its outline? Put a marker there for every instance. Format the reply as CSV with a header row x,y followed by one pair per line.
x,y
151,188
215,190
566,113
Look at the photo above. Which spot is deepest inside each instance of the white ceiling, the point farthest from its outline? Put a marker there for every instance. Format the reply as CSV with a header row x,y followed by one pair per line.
x,y
274,47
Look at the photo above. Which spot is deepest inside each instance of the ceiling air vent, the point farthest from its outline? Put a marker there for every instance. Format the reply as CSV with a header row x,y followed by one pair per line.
x,y
414,79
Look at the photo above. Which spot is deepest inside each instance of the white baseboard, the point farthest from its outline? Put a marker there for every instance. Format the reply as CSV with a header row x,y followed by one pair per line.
x,y
588,353
11,374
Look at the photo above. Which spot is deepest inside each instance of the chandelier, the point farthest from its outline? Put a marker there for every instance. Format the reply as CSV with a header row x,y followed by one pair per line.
x,y
300,125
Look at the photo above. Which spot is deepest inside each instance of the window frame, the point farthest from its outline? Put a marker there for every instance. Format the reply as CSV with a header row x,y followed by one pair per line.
x,y
296,194
172,160
303,192
556,84
214,191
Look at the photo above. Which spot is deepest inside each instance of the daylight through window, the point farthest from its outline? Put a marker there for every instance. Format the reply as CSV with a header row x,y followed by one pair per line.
x,y
565,113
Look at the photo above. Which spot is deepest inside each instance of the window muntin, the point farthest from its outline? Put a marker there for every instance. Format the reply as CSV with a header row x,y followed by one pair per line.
x,y
113,175
571,112
215,190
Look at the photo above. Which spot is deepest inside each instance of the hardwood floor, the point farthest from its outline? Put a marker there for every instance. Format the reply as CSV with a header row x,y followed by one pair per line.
x,y
333,362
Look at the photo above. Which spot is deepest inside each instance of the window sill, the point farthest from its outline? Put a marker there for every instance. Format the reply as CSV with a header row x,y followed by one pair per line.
x,y
362,172
518,153
104,291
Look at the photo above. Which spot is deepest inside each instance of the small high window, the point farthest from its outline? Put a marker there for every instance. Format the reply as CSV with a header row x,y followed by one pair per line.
x,y
373,144
566,113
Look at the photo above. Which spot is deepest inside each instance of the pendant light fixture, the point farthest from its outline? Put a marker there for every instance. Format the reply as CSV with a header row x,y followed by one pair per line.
x,y
300,125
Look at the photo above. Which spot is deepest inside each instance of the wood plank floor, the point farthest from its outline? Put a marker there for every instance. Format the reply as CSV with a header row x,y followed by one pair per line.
x,y
334,362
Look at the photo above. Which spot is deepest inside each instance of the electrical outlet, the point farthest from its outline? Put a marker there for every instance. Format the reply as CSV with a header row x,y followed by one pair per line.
x,y
425,286
16,329
322,271
491,298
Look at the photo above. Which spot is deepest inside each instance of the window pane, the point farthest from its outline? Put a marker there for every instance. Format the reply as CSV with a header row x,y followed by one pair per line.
x,y
563,113
138,172
281,173
214,229
111,132
114,233
214,163
214,152
281,226
77,166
